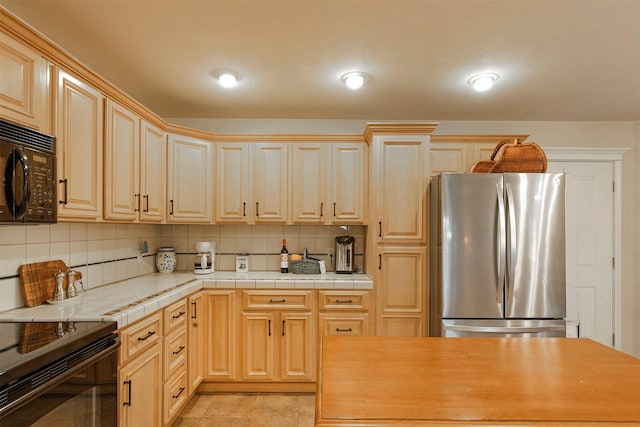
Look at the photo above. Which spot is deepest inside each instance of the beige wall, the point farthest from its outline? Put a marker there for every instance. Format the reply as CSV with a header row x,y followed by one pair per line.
x,y
547,134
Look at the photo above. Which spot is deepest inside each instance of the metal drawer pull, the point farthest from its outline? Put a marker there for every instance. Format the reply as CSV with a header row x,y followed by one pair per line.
x,y
343,301
149,334
344,330
277,300
283,327
175,396
179,350
180,314
128,402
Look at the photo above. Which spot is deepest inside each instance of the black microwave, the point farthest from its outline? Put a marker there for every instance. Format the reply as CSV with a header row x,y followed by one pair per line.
x,y
28,167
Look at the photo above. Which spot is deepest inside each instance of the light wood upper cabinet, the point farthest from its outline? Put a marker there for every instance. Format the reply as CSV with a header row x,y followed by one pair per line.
x,y
121,163
233,202
400,187
153,173
309,182
349,183
190,180
79,132
270,173
23,85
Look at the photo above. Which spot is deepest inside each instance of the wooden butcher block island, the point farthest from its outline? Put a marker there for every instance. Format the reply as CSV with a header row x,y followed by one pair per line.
x,y
388,381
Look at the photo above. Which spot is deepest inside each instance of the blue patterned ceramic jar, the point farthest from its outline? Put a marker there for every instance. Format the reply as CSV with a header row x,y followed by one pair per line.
x,y
166,259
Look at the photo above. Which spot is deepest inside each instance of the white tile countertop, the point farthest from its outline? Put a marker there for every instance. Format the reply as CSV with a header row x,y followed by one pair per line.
x,y
132,299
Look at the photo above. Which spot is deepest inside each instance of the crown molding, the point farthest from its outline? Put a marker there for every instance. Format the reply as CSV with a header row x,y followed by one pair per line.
x,y
399,128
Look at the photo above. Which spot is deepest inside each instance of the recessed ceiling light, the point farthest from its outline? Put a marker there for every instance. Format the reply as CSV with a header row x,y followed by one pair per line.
x,y
227,80
482,82
354,80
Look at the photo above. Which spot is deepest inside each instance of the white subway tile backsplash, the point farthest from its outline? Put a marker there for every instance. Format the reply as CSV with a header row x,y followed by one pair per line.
x,y
105,252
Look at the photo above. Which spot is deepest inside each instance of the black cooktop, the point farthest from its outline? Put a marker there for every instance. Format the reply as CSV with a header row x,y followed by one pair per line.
x,y
28,346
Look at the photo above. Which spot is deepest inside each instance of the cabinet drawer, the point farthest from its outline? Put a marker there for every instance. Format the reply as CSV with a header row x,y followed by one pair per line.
x,y
277,300
344,300
344,324
175,395
175,316
140,336
175,352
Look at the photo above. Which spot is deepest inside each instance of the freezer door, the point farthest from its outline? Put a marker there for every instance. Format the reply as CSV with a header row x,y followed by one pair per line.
x,y
535,246
472,236
504,328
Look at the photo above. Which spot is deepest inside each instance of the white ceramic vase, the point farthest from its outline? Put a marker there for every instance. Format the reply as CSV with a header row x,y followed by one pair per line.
x,y
166,259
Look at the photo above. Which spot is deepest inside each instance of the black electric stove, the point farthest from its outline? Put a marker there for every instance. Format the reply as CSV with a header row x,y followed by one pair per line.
x,y
36,356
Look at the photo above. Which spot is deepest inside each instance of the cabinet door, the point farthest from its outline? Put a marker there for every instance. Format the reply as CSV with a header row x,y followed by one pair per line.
x,y
401,166
220,335
310,166
270,182
121,164
153,173
195,331
449,157
296,348
23,85
232,183
79,146
140,393
349,183
257,339
190,180
401,291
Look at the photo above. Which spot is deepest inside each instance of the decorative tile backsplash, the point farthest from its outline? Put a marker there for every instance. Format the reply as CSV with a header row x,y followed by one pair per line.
x,y
106,253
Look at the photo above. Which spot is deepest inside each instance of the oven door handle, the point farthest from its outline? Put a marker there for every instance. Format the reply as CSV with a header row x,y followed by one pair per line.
x,y
60,378
17,156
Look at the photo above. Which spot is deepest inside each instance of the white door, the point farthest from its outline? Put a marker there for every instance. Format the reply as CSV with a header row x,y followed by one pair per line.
x,y
589,246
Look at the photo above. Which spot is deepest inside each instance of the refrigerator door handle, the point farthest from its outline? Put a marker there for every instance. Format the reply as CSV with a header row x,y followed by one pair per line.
x,y
512,242
501,246
505,329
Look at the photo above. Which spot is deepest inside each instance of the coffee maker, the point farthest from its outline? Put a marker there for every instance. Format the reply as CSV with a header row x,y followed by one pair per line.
x,y
205,258
344,254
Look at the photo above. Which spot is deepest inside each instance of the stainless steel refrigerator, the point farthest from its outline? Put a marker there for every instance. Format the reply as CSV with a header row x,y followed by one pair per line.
x,y
497,255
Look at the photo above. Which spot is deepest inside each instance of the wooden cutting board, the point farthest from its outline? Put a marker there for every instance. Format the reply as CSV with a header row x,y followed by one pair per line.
x,y
39,282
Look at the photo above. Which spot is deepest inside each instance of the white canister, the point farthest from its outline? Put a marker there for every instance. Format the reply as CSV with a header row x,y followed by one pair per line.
x,y
242,263
166,259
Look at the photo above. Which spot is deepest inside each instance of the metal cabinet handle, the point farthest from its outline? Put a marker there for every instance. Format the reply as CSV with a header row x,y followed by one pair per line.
x,y
283,322
379,261
269,327
149,334
175,396
195,307
65,200
271,301
344,330
171,212
343,301
146,202
379,228
321,208
179,315
179,350
137,197
334,209
244,209
128,401
257,209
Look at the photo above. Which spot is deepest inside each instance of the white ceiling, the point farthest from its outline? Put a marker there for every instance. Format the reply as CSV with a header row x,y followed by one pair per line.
x,y
558,59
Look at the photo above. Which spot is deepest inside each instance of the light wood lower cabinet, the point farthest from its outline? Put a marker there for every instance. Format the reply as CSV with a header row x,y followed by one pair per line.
x,y
196,328
277,336
140,373
220,335
343,313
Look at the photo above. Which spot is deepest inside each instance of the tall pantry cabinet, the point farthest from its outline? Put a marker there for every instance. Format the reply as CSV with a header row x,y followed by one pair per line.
x,y
397,235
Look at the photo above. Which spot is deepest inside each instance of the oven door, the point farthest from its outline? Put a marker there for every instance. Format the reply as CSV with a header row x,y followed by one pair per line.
x,y
84,396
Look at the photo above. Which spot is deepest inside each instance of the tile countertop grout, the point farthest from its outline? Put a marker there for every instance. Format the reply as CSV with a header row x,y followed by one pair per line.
x,y
132,299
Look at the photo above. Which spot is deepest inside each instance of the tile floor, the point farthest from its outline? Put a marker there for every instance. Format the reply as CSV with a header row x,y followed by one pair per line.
x,y
249,410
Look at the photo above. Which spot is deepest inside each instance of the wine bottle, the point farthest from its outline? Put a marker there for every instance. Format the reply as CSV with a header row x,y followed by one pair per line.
x,y
284,257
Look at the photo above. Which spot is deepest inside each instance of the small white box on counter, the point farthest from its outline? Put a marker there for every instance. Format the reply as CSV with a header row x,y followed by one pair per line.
x,y
242,263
